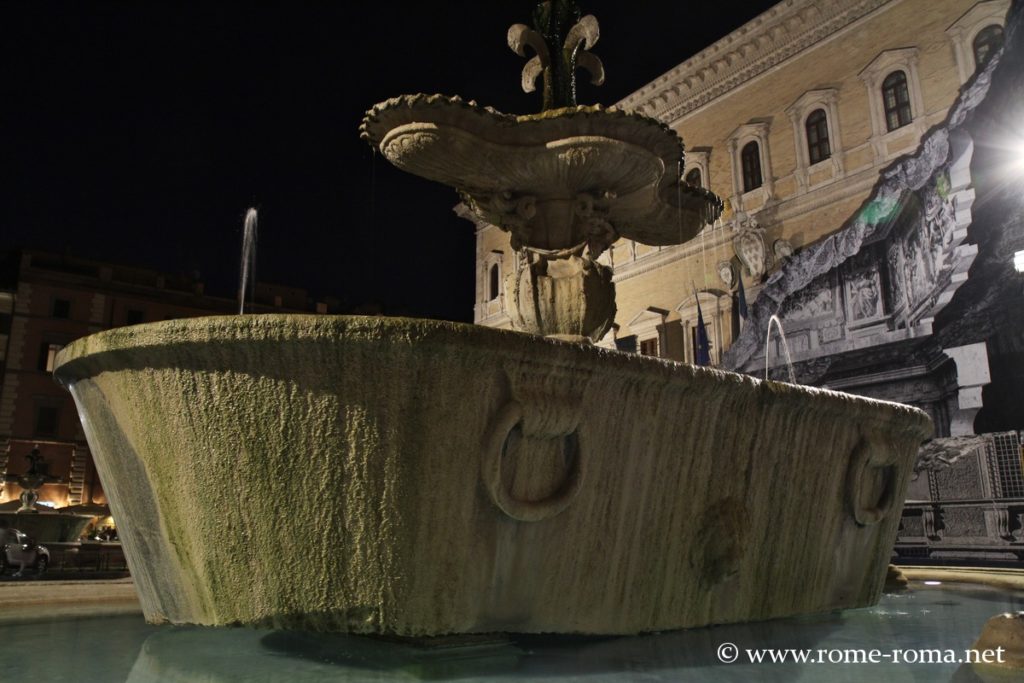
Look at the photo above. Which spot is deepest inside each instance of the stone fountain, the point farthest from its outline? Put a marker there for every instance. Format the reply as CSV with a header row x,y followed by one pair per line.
x,y
418,478
49,526
565,183
37,475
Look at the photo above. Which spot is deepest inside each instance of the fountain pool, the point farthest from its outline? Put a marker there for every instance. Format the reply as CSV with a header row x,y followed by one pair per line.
x,y
124,648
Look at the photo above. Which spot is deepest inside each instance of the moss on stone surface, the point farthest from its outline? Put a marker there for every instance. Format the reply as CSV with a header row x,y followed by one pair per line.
x,y
325,473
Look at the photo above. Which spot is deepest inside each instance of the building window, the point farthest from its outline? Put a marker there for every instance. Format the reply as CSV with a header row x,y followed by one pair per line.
x,y
817,136
649,347
47,354
693,177
894,94
815,119
750,158
134,317
896,100
986,43
61,308
493,290
46,421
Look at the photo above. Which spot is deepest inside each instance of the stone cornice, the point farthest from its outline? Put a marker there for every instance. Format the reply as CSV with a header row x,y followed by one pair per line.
x,y
760,44
647,263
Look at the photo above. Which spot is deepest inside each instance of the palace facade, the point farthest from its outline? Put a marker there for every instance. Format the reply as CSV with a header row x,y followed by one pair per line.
x,y
792,119
871,156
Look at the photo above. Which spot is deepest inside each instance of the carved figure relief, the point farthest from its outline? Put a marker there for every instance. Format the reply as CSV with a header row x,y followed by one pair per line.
x,y
895,260
939,223
813,302
917,260
916,270
863,295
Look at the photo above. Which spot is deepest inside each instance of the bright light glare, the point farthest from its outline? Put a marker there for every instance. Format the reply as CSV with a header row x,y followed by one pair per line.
x,y
1018,261
1015,146
933,583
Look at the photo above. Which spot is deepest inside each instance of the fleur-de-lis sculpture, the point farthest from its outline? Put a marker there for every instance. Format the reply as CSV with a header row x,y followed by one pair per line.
x,y
562,41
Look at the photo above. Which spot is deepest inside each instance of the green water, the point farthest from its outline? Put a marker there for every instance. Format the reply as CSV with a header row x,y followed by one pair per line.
x,y
946,618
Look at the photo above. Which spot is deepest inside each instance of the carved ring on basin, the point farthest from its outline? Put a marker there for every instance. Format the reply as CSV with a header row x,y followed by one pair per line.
x,y
508,418
870,483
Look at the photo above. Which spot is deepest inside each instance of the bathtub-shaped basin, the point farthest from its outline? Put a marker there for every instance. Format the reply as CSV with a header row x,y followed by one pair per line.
x,y
413,477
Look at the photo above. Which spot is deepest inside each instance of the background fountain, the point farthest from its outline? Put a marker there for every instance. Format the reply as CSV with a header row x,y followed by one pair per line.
x,y
31,481
247,270
413,477
52,526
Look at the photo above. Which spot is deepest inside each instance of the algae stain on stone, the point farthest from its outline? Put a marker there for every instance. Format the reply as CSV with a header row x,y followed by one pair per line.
x,y
387,430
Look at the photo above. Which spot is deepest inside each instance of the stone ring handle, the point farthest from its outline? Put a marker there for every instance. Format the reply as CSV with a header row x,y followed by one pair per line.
x,y
870,483
508,418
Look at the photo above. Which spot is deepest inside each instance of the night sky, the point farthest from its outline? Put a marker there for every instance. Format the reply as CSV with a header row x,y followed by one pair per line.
x,y
139,133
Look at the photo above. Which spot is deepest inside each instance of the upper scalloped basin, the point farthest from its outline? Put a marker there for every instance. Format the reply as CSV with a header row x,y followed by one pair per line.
x,y
411,477
629,159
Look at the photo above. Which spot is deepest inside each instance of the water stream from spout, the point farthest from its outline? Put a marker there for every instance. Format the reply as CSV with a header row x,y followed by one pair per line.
x,y
785,347
248,268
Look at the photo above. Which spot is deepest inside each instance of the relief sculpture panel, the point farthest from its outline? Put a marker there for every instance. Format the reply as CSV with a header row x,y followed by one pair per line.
x,y
863,295
816,301
863,287
895,263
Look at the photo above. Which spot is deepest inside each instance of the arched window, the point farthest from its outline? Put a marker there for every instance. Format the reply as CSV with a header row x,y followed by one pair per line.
x,y
693,177
817,136
988,40
750,157
896,99
493,291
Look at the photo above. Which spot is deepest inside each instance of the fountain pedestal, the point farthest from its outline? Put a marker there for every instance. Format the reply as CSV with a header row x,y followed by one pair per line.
x,y
563,294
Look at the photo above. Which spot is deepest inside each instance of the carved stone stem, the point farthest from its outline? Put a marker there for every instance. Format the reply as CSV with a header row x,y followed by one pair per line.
x,y
563,294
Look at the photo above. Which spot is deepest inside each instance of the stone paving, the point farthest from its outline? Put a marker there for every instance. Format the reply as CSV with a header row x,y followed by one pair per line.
x,y
27,600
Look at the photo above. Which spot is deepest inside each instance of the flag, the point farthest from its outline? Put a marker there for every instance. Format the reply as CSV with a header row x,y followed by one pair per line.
x,y
742,306
703,345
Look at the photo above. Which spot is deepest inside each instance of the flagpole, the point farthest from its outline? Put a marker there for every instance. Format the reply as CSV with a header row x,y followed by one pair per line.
x,y
703,351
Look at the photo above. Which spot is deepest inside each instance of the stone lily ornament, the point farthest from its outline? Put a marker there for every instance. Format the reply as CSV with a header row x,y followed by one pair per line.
x,y
550,18
565,183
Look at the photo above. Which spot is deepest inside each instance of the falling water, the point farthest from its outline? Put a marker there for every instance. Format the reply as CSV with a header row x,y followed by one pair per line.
x,y
785,347
248,258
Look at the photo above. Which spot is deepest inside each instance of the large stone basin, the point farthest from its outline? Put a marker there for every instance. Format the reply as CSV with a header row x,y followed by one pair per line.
x,y
52,527
411,477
